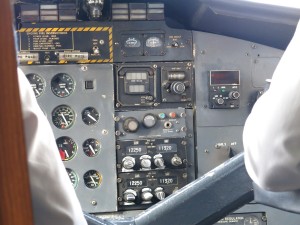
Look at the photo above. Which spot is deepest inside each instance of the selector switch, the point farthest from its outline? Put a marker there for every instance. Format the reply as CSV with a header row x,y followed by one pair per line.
x,y
129,197
149,120
128,162
159,193
131,124
145,162
177,87
146,195
159,161
176,161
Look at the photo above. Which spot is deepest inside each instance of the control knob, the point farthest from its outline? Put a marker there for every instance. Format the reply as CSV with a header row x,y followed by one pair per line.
x,y
159,193
129,197
145,162
219,101
234,95
146,196
159,161
149,120
131,124
178,87
128,162
176,161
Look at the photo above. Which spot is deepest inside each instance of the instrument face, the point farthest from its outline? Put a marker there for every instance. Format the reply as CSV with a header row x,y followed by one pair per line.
x,y
63,117
62,85
67,148
37,83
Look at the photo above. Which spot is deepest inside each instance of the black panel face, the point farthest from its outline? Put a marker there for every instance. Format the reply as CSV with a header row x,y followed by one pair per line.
x,y
142,189
68,42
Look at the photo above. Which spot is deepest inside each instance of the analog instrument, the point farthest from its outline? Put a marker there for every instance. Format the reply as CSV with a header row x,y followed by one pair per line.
x,y
73,177
90,116
91,147
63,117
154,42
67,148
92,179
37,83
62,85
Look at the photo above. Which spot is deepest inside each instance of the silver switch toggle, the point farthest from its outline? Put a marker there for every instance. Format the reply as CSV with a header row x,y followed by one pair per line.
x,y
159,161
129,197
145,162
159,193
176,161
128,162
146,195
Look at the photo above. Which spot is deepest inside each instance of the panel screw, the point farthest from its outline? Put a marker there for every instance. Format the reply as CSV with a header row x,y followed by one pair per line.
x,y
104,132
84,68
264,218
94,203
119,180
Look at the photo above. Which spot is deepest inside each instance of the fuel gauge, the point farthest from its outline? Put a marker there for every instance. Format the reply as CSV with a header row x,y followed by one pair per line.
x,y
37,83
92,179
91,147
67,148
63,117
73,177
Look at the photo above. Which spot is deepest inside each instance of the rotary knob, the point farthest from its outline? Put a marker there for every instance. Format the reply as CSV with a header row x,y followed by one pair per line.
x,y
146,196
176,161
145,162
149,120
159,193
219,101
234,95
128,162
129,197
131,124
178,87
159,161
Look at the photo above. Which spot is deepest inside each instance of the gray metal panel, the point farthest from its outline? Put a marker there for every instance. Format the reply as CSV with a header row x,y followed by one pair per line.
x,y
214,145
214,52
101,98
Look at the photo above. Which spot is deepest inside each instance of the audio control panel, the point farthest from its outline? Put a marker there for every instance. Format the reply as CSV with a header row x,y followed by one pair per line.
x,y
224,89
156,123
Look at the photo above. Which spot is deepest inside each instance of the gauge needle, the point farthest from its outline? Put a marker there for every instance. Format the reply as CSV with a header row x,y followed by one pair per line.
x,y
89,115
92,149
66,153
37,91
64,118
67,91
93,180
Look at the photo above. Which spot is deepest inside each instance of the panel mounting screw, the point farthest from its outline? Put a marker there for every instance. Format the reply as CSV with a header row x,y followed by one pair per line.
x,y
84,68
94,203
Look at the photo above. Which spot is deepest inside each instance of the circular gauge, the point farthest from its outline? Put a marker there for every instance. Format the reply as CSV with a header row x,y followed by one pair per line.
x,y
90,116
92,179
67,148
63,117
73,177
62,85
37,83
91,147
154,42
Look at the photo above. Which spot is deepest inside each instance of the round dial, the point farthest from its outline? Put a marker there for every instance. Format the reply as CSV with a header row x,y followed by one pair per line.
x,y
73,177
63,117
90,116
67,148
62,85
92,179
91,147
37,83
